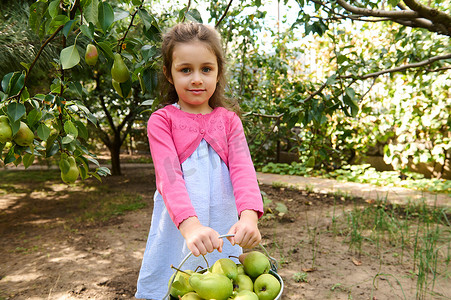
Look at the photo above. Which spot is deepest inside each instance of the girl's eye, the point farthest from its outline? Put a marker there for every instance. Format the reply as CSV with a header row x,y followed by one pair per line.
x,y
206,69
185,70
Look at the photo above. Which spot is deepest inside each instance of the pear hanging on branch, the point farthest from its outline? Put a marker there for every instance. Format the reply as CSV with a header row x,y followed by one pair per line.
x,y
119,71
91,55
24,137
6,132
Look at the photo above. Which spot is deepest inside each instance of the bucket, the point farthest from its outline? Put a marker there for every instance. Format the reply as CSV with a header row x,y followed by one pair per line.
x,y
272,271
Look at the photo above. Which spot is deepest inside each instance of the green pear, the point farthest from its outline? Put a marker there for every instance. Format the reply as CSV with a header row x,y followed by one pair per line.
x,y
246,295
24,137
71,175
6,132
191,296
180,285
267,287
243,282
256,263
91,55
119,70
240,269
212,286
225,266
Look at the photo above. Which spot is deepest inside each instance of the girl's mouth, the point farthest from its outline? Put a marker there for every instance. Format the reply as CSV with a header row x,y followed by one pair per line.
x,y
196,91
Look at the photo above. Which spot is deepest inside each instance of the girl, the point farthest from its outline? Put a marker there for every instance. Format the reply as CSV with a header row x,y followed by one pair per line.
x,y
206,182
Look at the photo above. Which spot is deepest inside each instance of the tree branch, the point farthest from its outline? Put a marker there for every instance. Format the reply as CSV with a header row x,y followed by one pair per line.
x,y
378,12
429,13
122,39
402,68
417,16
187,9
224,14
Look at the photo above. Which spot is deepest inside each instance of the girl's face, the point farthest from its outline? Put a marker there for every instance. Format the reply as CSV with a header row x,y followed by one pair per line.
x,y
194,76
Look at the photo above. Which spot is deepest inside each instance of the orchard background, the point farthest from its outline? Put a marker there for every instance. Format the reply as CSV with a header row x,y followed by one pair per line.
x,y
341,89
327,83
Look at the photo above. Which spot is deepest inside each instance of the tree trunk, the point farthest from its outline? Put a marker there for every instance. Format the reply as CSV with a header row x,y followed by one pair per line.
x,y
115,158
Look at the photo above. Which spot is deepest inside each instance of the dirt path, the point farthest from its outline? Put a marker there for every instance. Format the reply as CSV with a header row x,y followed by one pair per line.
x,y
47,253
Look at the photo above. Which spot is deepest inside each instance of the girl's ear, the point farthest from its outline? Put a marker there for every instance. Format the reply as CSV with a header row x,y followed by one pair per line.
x,y
165,72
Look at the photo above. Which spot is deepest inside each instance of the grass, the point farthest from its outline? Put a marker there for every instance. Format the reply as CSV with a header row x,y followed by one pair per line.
x,y
38,176
421,231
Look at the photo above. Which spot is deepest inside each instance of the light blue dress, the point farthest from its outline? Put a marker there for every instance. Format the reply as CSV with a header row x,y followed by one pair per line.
x,y
210,189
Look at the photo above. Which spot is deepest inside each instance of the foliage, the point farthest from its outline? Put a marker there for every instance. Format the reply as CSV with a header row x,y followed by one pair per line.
x,y
335,85
79,99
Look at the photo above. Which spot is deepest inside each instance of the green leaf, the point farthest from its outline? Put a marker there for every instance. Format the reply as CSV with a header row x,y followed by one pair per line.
x,y
341,59
150,77
68,27
147,102
393,3
52,149
54,8
76,88
57,22
91,11
94,161
120,14
153,34
13,82
106,48
194,16
15,126
87,31
37,12
103,171
69,57
350,92
9,158
43,132
28,160
70,128
331,80
148,52
82,131
33,117
15,111
83,171
68,139
106,15
146,18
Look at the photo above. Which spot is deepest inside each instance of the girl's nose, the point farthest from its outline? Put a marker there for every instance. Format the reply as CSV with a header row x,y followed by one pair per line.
x,y
196,79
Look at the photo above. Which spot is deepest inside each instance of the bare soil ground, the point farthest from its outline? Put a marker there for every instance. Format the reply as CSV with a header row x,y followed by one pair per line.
x,y
48,251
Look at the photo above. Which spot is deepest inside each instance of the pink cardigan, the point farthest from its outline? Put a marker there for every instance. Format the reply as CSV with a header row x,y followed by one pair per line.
x,y
173,137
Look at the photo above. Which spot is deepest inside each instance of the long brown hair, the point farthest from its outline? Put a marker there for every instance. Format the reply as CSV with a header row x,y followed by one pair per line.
x,y
186,33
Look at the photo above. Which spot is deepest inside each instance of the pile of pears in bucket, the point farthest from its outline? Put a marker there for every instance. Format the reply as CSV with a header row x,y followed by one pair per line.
x,y
249,280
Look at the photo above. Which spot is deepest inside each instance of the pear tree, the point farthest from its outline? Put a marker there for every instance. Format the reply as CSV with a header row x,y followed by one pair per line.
x,y
97,40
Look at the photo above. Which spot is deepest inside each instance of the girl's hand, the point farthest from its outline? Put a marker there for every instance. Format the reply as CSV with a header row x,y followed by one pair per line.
x,y
200,239
246,230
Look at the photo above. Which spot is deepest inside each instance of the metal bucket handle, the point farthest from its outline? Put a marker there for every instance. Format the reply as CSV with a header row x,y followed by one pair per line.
x,y
272,261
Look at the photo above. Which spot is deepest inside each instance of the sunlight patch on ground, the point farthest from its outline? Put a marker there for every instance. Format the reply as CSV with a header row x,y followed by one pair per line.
x,y
21,277
68,255
137,254
9,200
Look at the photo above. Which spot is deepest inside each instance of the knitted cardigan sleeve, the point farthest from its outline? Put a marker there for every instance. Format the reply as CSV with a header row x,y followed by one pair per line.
x,y
168,171
242,171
